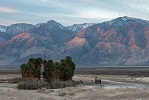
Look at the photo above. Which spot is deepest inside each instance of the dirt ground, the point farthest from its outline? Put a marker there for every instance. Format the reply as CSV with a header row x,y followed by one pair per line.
x,y
83,92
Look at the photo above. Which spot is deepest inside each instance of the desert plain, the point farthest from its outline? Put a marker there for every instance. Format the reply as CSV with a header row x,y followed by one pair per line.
x,y
113,87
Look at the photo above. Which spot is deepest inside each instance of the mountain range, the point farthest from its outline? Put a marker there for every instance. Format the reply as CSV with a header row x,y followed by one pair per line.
x,y
122,41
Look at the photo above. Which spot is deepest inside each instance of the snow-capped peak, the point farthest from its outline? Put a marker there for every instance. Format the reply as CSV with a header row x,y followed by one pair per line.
x,y
18,28
77,27
125,20
38,25
3,28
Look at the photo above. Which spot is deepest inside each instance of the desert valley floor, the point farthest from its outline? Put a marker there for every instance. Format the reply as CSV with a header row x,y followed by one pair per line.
x,y
113,87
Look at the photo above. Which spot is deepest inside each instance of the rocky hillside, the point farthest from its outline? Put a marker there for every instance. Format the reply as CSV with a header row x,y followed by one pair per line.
x,y
121,41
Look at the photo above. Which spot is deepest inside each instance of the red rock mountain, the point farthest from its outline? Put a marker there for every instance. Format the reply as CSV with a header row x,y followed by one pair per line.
x,y
121,41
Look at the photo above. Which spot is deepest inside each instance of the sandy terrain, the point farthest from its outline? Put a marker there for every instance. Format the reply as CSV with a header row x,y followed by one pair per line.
x,y
121,87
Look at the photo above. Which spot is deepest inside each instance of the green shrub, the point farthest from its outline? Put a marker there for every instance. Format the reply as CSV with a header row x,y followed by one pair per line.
x,y
33,85
78,82
15,80
62,94
57,84
38,84
63,84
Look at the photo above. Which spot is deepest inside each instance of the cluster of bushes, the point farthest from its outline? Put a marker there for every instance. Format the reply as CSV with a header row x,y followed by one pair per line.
x,y
62,84
38,84
33,85
32,69
59,71
53,71
56,74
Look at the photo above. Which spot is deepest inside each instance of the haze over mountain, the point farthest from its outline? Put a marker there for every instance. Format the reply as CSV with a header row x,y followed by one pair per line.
x,y
121,41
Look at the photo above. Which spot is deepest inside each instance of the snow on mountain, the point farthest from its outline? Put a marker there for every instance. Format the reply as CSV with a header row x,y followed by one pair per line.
x,y
3,28
18,28
38,25
125,20
78,27
54,31
121,41
50,25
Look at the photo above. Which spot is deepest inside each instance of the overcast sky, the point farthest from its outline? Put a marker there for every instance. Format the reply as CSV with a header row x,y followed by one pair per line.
x,y
68,12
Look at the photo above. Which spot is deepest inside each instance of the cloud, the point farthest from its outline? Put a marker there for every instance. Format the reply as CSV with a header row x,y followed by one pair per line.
x,y
44,1
140,5
8,10
145,1
99,13
71,11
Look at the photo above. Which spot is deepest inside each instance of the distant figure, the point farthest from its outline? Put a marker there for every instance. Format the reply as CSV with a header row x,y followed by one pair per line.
x,y
97,81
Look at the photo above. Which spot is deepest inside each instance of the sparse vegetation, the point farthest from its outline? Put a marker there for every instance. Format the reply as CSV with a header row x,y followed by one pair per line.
x,y
62,84
62,94
57,74
33,85
13,80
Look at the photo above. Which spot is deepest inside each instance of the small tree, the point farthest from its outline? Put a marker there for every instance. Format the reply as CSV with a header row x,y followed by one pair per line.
x,y
48,70
32,68
59,71
53,71
69,68
27,71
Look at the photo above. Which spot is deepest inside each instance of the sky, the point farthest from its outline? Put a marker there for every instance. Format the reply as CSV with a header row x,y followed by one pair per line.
x,y
68,12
